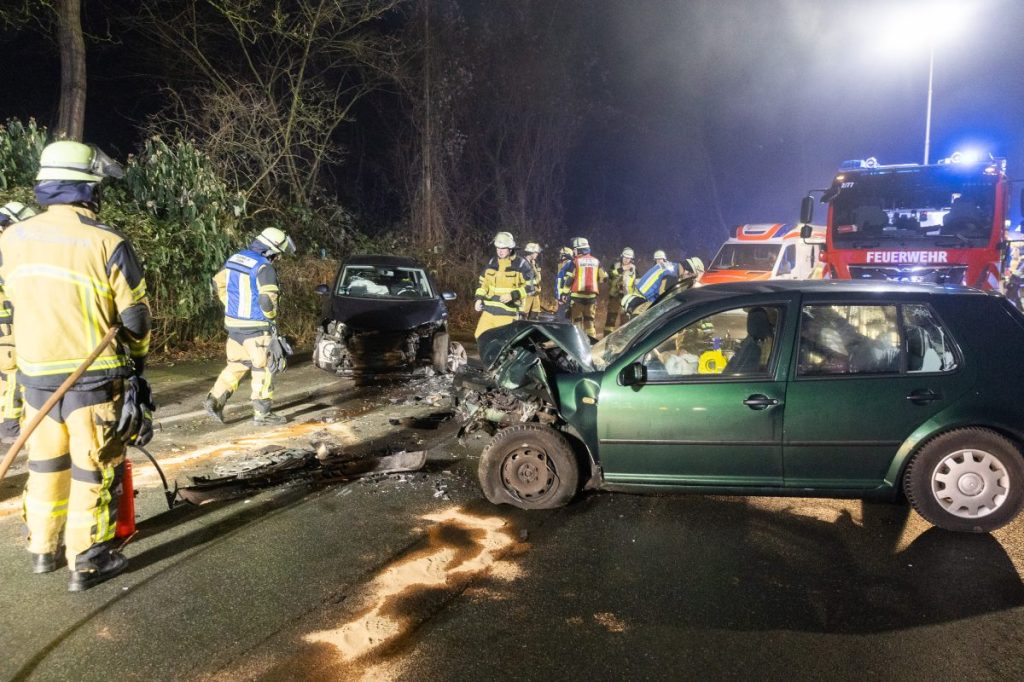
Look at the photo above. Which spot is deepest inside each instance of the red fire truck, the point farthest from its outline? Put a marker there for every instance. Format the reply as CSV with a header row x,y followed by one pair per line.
x,y
939,223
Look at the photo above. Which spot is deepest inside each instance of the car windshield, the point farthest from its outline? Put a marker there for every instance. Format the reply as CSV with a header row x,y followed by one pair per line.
x,y
608,349
945,207
379,281
756,257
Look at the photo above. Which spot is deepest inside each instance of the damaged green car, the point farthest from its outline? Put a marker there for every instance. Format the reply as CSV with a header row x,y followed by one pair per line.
x,y
833,389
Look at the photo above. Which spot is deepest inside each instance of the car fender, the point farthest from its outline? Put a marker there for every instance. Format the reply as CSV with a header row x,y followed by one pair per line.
x,y
957,416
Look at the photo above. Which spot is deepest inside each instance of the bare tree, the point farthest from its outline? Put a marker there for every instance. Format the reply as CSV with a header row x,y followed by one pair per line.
x,y
265,86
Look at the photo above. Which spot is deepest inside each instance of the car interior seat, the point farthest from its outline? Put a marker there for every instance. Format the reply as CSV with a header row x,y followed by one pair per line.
x,y
747,359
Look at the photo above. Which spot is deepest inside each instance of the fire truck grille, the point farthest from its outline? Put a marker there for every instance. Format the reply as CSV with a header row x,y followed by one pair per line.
x,y
931,275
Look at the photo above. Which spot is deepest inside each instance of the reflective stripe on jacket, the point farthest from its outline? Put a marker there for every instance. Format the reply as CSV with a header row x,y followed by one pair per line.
x,y
655,281
623,279
247,286
584,280
561,279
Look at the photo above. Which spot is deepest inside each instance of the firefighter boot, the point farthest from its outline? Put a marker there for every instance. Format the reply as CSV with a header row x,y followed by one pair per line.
x,y
215,406
96,565
262,415
48,562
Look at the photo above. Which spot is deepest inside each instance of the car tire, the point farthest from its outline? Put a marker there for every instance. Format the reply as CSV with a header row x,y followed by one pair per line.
x,y
439,353
529,466
968,480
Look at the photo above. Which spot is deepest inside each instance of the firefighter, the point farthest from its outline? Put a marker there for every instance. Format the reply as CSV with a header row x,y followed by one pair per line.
x,y
70,278
506,281
657,280
689,271
11,406
622,282
584,284
248,289
565,265
531,304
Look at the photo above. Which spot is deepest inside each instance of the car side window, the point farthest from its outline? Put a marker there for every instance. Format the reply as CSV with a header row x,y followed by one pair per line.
x,y
732,343
848,339
929,346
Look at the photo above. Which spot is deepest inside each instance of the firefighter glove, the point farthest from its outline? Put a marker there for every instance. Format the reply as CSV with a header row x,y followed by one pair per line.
x,y
136,424
478,305
277,354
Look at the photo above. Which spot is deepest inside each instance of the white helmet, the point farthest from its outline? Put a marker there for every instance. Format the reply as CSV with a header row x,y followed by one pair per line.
x,y
627,253
694,265
532,247
276,241
660,254
504,240
580,243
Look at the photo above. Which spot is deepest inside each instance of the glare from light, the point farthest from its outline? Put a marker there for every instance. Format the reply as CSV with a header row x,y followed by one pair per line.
x,y
910,29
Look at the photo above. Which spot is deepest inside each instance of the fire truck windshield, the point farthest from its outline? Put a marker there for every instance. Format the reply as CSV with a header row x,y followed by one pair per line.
x,y
945,206
756,257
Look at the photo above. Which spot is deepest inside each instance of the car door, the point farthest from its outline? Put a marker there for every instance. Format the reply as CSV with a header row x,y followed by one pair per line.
x,y
709,410
865,376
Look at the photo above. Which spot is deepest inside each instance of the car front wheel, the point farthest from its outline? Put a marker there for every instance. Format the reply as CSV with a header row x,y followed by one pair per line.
x,y
966,480
529,466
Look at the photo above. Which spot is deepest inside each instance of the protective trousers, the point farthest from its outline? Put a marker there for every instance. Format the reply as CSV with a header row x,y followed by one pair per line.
x,y
250,354
583,314
75,469
615,316
489,320
531,307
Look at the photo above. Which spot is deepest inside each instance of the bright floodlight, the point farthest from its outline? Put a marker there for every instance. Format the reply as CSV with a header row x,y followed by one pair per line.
x,y
908,28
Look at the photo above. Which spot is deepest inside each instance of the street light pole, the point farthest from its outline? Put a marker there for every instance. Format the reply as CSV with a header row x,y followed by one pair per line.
x,y
928,114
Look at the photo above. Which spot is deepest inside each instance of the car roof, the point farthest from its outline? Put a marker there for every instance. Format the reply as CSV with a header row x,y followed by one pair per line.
x,y
828,286
387,261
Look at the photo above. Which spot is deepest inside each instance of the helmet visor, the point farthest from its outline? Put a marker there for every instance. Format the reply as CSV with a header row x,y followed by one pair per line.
x,y
104,166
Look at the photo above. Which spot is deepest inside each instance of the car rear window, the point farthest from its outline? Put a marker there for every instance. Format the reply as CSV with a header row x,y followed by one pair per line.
x,y
872,339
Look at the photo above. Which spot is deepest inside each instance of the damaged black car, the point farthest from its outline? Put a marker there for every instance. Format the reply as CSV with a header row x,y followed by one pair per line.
x,y
384,314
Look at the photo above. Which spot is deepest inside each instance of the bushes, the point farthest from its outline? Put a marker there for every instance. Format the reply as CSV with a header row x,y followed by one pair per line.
x,y
20,147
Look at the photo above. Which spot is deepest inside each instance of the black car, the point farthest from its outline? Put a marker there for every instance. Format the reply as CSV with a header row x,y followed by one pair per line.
x,y
384,314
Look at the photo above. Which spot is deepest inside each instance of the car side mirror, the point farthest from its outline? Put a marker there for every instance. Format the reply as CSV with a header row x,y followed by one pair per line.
x,y
321,289
449,295
806,231
806,214
633,375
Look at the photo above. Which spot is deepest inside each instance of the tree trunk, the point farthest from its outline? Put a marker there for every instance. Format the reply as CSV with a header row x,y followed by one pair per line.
x,y
71,115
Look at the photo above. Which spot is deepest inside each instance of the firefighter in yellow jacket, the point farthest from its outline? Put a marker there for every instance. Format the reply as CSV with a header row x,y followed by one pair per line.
x,y
247,287
69,279
11,405
506,281
583,281
531,304
622,282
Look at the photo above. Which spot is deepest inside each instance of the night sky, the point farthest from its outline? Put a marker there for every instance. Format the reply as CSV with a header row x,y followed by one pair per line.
x,y
725,111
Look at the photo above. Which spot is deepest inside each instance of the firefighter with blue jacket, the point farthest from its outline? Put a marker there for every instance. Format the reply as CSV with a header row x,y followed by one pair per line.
x,y
11,405
70,279
565,266
658,279
248,289
507,280
584,280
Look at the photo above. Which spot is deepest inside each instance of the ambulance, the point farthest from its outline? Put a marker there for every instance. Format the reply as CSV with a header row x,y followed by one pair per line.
x,y
767,251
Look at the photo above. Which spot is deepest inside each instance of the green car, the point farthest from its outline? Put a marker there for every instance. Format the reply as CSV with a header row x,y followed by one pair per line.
x,y
832,389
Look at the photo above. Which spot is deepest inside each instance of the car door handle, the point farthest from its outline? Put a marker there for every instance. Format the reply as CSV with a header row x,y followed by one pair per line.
x,y
924,396
759,401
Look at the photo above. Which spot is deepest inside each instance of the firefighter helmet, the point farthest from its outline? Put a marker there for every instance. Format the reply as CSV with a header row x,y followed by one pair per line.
x,y
532,247
504,240
694,265
14,211
660,254
627,253
565,253
580,243
69,160
276,241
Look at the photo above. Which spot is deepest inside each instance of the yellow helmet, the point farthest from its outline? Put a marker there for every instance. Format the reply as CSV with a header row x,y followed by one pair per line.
x,y
565,253
276,241
69,160
532,247
504,240
15,211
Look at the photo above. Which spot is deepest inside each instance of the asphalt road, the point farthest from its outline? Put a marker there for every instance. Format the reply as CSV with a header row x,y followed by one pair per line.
x,y
415,577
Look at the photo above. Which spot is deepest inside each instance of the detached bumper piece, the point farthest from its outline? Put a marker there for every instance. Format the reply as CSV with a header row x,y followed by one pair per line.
x,y
290,466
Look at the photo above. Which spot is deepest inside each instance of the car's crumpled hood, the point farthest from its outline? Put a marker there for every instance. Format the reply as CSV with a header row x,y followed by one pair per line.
x,y
495,344
385,315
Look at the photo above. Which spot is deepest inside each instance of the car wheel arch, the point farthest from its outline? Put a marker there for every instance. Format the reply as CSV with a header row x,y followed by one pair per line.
x,y
591,473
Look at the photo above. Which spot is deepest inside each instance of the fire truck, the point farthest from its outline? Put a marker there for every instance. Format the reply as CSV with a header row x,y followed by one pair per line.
x,y
940,223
